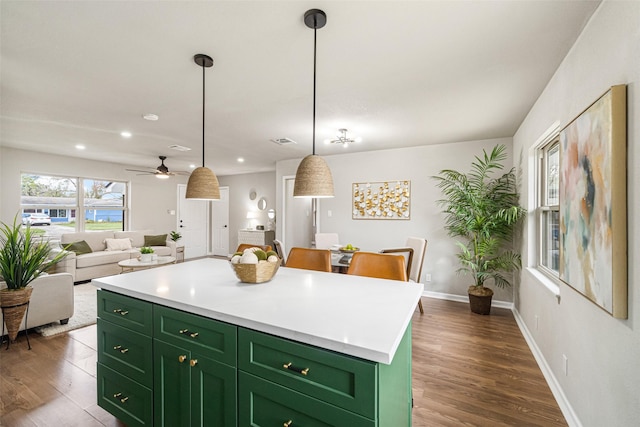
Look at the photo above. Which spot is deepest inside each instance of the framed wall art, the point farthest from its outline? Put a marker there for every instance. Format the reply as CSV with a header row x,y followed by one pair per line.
x,y
593,207
381,200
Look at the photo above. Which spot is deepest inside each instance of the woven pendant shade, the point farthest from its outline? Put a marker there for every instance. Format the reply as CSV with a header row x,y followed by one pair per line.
x,y
313,178
203,185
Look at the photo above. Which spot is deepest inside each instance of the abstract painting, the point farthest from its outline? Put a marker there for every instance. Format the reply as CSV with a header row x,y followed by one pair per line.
x,y
593,234
382,200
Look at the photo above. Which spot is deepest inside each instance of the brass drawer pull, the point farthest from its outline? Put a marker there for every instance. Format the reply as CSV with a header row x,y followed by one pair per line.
x,y
120,311
288,423
302,371
117,395
182,358
122,350
193,362
122,399
186,331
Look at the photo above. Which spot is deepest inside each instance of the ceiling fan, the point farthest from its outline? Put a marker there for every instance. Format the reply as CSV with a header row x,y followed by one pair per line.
x,y
161,171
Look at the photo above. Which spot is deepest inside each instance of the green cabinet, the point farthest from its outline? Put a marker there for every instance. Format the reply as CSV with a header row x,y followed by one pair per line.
x,y
158,366
194,370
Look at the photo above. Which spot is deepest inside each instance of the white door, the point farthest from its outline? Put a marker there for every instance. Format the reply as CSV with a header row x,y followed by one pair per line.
x,y
220,221
193,224
298,219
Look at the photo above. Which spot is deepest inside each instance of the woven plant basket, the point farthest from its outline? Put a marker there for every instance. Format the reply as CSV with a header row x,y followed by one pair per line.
x,y
14,305
256,273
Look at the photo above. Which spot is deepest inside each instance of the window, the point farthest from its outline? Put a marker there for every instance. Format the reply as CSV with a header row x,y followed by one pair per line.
x,y
100,204
548,207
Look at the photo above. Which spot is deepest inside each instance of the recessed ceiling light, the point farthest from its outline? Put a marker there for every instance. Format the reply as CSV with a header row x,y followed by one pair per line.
x,y
192,166
150,116
240,159
80,147
125,134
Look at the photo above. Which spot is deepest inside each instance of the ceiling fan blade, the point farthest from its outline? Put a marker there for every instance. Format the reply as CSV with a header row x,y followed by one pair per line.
x,y
138,170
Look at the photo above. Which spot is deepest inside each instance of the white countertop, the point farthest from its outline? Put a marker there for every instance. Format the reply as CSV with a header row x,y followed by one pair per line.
x,y
354,315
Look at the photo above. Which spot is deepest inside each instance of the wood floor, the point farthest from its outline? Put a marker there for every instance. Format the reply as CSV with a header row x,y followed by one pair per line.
x,y
468,370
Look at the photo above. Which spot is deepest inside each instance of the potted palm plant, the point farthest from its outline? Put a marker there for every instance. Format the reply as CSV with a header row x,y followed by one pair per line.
x,y
23,258
482,209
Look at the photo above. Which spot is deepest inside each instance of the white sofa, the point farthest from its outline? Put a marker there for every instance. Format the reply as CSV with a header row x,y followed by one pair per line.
x,y
51,300
102,262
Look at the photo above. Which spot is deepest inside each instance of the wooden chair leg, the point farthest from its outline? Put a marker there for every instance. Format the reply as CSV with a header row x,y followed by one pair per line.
x,y
420,306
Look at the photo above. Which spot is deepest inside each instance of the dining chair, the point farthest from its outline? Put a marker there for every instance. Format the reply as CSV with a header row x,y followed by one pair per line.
x,y
326,240
419,246
279,247
309,259
382,266
243,246
407,253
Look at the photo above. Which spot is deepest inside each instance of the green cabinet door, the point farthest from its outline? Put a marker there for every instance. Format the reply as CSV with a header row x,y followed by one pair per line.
x,y
191,389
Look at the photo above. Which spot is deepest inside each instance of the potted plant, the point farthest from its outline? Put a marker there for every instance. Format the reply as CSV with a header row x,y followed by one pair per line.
x,y
482,209
23,258
175,236
146,254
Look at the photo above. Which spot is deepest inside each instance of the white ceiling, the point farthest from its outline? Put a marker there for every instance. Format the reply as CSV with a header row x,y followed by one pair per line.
x,y
396,73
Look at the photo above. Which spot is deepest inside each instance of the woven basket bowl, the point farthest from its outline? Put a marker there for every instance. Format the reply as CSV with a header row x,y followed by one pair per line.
x,y
256,273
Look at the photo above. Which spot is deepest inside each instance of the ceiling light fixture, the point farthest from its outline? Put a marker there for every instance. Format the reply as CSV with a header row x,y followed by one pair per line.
x,y
342,138
80,147
150,116
125,134
313,177
203,183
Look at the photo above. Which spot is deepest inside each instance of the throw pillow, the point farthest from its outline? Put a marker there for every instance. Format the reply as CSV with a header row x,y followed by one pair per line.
x,y
81,247
118,244
159,240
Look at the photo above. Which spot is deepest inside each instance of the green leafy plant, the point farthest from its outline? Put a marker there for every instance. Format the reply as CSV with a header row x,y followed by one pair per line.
x,y
146,250
23,257
483,210
175,236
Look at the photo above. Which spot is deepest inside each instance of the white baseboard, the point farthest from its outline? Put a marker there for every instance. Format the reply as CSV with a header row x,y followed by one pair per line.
x,y
567,410
465,299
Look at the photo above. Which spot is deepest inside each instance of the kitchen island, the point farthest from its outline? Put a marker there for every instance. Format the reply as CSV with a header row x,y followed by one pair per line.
x,y
195,346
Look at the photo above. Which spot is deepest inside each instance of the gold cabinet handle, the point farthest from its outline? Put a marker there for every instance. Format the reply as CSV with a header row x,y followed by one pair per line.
x,y
120,349
193,362
288,423
186,331
120,311
182,358
122,399
289,366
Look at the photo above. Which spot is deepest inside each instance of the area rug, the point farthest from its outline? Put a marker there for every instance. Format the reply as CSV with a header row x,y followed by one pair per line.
x,y
84,312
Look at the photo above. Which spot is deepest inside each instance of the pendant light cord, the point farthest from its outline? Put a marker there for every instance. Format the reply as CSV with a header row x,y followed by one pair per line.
x,y
203,92
315,25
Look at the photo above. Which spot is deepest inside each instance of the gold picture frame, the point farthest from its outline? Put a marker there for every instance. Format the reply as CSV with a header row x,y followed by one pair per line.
x,y
384,200
593,204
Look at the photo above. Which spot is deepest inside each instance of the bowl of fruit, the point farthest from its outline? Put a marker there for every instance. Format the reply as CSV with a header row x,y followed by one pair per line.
x,y
255,265
349,249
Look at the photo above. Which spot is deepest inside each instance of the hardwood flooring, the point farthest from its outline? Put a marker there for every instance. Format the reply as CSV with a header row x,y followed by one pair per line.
x,y
468,370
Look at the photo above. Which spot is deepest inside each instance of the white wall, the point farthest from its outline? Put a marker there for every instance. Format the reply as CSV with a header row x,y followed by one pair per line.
x,y
603,381
150,197
418,165
240,203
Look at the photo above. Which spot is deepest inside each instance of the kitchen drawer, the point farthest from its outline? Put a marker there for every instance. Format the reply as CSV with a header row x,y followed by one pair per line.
x,y
125,311
125,351
127,400
341,380
266,404
217,340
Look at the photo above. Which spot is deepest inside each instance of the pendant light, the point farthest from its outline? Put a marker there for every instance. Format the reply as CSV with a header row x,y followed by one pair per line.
x,y
313,177
203,183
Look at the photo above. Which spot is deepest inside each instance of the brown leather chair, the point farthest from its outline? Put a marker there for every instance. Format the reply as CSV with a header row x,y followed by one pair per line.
x,y
244,246
382,266
310,259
